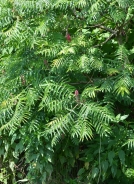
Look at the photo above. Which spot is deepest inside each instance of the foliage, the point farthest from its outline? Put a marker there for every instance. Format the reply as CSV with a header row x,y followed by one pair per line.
x,y
66,91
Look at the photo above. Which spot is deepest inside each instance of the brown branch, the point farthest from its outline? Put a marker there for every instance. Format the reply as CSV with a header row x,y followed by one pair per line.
x,y
107,29
103,27
106,39
81,82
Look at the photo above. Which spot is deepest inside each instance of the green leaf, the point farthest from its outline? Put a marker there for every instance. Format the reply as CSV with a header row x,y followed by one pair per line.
x,y
11,165
111,155
121,118
114,170
1,151
95,172
81,171
23,180
62,159
121,154
118,117
104,165
19,146
124,117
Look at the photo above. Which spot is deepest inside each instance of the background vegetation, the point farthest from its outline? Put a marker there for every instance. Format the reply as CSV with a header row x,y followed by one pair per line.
x,y
66,91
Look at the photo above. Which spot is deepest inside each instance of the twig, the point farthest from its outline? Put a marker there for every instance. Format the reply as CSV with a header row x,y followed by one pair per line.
x,y
103,27
106,39
81,82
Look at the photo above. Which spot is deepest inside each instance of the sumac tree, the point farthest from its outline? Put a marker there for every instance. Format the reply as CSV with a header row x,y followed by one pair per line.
x,y
66,97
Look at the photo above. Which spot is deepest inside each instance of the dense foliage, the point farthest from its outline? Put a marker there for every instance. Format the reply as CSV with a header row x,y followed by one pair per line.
x,y
66,91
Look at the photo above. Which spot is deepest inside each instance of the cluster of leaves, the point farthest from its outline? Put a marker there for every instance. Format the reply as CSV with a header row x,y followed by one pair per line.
x,y
66,91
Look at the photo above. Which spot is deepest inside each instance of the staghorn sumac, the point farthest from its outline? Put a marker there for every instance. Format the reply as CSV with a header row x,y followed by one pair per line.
x,y
76,93
68,37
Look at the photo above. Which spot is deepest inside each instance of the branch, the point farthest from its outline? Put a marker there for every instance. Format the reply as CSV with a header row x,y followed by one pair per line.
x,y
115,32
81,82
107,29
103,27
